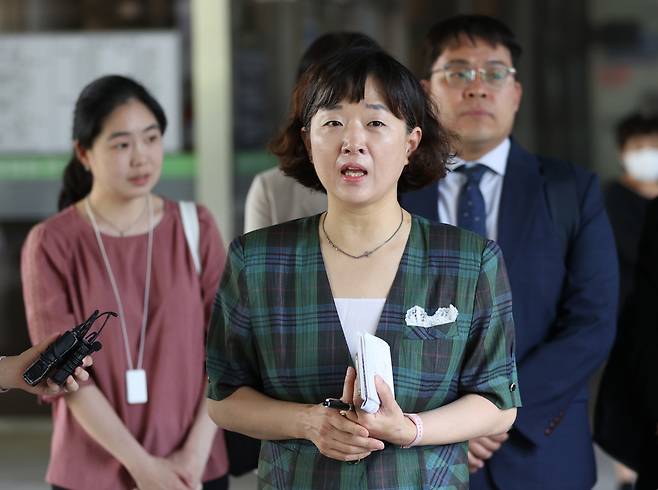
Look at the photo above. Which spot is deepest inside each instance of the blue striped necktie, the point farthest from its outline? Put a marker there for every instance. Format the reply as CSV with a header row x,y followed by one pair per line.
x,y
471,212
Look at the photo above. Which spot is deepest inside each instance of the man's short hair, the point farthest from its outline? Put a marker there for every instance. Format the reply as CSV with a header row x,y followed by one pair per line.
x,y
453,29
636,124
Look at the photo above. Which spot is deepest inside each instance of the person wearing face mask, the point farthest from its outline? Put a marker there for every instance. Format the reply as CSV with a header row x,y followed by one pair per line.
x,y
617,428
628,197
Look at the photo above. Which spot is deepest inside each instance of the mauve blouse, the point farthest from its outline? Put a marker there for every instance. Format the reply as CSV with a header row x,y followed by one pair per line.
x,y
64,281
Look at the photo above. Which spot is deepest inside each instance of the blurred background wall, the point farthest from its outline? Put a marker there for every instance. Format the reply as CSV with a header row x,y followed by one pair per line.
x,y
224,70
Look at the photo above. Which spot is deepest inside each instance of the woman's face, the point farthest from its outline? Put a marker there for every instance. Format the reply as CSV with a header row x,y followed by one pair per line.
x,y
360,149
126,157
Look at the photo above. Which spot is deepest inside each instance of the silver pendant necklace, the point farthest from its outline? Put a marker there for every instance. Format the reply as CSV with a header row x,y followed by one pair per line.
x,y
120,231
367,253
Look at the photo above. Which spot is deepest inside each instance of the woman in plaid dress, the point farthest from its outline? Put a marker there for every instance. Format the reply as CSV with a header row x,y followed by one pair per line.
x,y
295,297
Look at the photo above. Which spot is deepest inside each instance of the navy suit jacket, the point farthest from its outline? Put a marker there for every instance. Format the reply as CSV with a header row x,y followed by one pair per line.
x,y
565,312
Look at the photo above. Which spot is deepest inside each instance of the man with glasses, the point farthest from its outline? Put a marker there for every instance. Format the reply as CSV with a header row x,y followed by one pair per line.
x,y
549,220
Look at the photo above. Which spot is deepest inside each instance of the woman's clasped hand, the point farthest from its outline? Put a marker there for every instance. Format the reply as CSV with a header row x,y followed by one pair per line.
x,y
352,435
341,437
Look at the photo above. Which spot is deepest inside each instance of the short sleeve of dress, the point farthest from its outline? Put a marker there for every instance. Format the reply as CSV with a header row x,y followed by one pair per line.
x,y
489,367
45,268
44,264
231,359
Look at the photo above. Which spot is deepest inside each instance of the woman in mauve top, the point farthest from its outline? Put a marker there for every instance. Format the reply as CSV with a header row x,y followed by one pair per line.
x,y
96,253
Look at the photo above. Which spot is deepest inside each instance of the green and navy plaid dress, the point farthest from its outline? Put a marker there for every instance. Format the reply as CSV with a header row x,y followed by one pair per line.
x,y
275,328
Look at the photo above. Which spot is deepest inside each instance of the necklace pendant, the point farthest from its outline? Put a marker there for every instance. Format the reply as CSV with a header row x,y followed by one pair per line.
x,y
367,253
136,387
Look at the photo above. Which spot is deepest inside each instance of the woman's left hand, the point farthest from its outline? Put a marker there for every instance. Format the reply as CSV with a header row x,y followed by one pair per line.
x,y
388,423
188,466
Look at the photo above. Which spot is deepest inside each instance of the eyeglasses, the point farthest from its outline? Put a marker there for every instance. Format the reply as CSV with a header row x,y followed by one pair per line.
x,y
460,76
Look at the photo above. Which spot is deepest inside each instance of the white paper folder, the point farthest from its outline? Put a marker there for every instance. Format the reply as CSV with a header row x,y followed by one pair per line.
x,y
373,357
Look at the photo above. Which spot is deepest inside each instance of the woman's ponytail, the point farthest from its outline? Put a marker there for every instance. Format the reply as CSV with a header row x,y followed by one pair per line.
x,y
76,183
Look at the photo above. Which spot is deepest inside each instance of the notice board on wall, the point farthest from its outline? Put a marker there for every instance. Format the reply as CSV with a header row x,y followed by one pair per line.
x,y
42,74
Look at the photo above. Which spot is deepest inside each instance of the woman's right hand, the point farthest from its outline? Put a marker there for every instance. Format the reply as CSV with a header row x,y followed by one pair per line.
x,y
337,437
157,474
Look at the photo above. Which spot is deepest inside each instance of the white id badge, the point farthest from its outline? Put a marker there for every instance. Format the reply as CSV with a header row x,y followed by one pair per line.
x,y
136,391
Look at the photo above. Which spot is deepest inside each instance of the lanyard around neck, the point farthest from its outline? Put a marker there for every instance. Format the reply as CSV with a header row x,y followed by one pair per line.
x,y
115,289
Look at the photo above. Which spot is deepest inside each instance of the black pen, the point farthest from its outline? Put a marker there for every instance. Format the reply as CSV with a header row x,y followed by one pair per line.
x,y
337,404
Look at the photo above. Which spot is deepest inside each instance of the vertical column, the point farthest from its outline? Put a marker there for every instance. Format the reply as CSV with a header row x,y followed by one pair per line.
x,y
213,116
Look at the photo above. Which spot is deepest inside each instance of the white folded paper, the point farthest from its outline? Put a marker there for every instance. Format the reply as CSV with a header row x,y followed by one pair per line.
x,y
373,357
417,317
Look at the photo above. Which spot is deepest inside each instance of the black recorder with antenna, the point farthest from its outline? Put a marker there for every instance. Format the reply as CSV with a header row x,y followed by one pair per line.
x,y
66,353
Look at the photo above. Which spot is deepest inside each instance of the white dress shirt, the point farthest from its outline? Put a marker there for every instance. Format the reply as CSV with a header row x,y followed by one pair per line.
x,y
491,187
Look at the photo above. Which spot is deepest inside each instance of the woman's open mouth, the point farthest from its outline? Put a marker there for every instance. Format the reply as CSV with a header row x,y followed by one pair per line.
x,y
352,172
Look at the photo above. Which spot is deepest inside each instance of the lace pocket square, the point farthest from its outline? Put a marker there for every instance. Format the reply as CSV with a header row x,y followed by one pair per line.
x,y
418,317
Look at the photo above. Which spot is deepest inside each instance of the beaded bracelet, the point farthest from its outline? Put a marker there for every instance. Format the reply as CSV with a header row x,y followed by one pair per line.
x,y
418,422
3,390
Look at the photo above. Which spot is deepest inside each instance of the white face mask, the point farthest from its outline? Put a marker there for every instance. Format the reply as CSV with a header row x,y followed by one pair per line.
x,y
642,164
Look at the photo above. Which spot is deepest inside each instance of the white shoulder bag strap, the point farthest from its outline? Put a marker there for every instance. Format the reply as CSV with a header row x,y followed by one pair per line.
x,y
191,228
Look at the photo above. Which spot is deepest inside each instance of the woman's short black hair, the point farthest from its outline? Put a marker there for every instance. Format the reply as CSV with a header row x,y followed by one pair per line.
x,y
343,77
95,103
